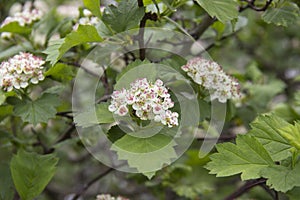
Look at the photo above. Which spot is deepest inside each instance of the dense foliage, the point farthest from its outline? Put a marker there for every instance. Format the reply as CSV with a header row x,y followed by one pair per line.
x,y
149,99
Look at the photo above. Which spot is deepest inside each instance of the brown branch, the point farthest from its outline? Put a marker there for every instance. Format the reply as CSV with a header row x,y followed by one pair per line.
x,y
104,81
140,36
103,98
90,183
206,22
65,114
67,134
140,3
40,143
221,138
79,66
246,187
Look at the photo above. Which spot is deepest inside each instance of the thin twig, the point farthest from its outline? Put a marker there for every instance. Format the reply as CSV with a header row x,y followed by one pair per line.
x,y
251,5
104,81
221,138
67,134
40,143
103,98
243,189
90,183
221,39
65,114
206,22
80,66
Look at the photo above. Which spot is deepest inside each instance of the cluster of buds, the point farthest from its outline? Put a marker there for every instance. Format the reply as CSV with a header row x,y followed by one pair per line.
x,y
20,70
87,19
26,17
148,102
211,76
109,197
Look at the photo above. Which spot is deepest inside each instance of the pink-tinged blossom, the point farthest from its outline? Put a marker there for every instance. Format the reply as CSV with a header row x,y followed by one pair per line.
x,y
24,18
21,70
86,19
148,102
211,76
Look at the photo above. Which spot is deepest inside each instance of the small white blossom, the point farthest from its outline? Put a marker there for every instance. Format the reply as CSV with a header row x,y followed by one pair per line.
x,y
23,18
21,70
212,77
148,102
87,19
109,197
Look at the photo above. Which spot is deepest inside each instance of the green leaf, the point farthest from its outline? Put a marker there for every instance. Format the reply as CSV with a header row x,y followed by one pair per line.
x,y
6,183
124,17
61,72
282,178
262,94
247,156
223,10
84,34
5,110
286,112
253,72
146,154
32,172
14,27
284,14
294,193
292,134
266,129
93,6
39,110
103,116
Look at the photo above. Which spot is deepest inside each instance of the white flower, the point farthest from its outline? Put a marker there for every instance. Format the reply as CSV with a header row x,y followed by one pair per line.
x,y
26,17
21,70
109,197
87,19
148,102
212,77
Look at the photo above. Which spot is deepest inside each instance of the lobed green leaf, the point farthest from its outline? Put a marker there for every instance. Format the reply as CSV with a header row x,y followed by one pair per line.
x,y
32,172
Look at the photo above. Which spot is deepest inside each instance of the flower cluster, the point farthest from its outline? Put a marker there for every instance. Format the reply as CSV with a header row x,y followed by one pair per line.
x,y
148,101
109,197
20,70
87,19
211,76
26,17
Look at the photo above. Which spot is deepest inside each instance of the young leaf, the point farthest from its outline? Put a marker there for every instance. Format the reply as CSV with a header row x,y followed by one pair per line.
x,y
103,116
266,129
14,27
223,10
93,6
6,183
31,173
292,134
39,110
147,155
247,156
61,72
284,14
84,33
282,178
124,17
